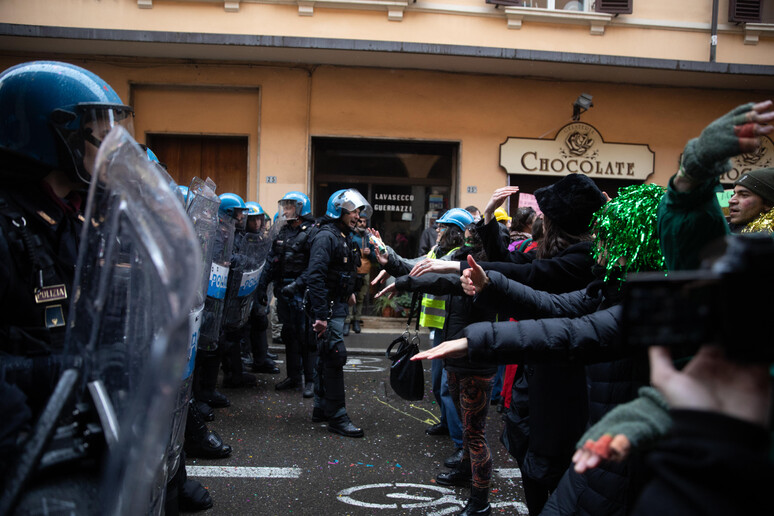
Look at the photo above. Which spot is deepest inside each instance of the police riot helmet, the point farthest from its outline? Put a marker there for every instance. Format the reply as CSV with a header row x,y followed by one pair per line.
x,y
300,203
254,209
348,200
457,216
54,115
231,204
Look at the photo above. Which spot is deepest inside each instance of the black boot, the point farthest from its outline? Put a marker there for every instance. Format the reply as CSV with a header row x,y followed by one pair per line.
x,y
204,409
193,497
207,366
288,383
346,329
200,442
459,476
342,425
478,503
356,326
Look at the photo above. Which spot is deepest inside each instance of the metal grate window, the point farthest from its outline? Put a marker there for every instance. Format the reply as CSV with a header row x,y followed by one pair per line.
x,y
744,10
614,6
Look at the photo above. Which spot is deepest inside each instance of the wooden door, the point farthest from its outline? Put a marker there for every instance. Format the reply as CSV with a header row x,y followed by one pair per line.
x,y
221,158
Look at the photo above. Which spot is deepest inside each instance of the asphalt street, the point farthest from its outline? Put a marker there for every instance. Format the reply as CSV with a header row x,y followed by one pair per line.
x,y
283,463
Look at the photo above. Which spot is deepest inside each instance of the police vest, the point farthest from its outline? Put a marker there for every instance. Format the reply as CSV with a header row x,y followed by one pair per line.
x,y
433,314
345,259
293,252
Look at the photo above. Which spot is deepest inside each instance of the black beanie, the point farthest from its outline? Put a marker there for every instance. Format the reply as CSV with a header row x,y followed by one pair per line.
x,y
760,182
571,202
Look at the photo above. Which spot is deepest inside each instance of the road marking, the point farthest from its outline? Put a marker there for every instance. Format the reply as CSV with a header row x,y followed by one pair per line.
x,y
241,472
508,472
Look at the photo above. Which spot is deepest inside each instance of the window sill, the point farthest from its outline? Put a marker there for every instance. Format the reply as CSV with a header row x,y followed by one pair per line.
x,y
597,21
752,31
394,8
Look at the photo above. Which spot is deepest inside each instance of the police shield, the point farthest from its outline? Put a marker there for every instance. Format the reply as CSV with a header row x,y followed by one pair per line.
x,y
201,206
249,255
134,291
212,316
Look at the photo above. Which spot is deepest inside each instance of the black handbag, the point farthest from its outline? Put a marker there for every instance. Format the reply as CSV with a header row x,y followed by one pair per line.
x,y
407,378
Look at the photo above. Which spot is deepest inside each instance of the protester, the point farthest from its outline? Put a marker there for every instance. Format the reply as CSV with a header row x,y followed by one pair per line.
x,y
581,326
470,383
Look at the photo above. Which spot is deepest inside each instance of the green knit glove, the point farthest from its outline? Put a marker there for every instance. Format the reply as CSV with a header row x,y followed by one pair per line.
x,y
708,155
643,420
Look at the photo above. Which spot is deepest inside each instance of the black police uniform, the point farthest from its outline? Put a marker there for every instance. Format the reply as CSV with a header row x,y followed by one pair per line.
x,y
331,281
286,262
39,236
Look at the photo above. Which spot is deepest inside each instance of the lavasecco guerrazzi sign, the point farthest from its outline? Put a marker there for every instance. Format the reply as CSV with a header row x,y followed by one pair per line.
x,y
577,148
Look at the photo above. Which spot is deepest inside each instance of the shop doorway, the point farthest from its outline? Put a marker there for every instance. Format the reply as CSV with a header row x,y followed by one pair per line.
x,y
406,182
221,158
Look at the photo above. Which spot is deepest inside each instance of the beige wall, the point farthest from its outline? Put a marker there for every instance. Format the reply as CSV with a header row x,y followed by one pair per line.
x,y
477,111
656,29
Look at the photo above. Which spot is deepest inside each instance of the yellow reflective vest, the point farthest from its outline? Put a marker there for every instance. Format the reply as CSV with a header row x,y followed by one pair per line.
x,y
433,314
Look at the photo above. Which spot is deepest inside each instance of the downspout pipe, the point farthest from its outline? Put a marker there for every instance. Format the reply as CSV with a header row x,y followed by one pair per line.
x,y
714,37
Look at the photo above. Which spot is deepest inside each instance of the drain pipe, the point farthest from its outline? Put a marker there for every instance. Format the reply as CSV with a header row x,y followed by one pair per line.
x,y
714,37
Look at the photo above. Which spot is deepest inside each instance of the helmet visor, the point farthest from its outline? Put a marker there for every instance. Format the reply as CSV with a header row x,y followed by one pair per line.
x,y
351,200
96,121
289,209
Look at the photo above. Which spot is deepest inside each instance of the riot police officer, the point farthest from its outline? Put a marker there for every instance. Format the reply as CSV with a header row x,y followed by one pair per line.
x,y
53,117
331,283
285,263
259,321
247,257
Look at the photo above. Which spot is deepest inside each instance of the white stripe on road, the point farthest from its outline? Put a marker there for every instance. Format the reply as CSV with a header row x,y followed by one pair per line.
x,y
507,472
237,472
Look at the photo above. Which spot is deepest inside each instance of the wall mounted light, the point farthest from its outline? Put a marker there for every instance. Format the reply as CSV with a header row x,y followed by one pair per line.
x,y
581,105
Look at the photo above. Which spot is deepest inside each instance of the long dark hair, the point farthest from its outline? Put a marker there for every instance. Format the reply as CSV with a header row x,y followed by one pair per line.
x,y
555,239
451,238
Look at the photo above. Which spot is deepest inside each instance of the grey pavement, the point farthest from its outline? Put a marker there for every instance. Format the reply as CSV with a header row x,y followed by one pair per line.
x,y
283,463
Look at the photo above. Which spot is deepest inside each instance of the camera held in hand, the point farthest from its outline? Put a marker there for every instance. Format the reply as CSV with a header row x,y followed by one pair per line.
x,y
729,305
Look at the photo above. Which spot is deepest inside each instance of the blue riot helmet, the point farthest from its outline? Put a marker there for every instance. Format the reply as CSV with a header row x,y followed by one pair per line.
x,y
457,216
348,200
256,217
233,206
54,116
253,209
294,205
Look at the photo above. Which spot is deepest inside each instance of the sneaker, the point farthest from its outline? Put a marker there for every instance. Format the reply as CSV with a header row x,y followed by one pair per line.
x,y
309,390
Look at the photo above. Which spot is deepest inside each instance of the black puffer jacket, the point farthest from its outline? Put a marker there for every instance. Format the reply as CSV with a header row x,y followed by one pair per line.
x,y
567,271
581,326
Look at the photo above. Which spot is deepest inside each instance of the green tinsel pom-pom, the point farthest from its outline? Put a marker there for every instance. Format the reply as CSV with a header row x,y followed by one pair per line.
x,y
626,232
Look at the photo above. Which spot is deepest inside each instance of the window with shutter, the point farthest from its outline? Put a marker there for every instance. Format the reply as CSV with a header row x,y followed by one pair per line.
x,y
744,11
614,6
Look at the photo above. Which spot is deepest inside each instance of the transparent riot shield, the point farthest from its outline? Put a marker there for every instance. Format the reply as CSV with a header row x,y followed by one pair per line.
x,y
134,291
249,255
202,208
212,316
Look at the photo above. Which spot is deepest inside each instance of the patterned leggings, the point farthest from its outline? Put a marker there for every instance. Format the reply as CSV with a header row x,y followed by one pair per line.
x,y
471,398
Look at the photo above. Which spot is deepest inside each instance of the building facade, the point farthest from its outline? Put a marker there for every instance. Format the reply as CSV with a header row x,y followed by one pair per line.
x,y
421,105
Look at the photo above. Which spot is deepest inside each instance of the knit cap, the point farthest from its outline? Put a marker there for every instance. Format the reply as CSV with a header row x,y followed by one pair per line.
x,y
570,202
760,182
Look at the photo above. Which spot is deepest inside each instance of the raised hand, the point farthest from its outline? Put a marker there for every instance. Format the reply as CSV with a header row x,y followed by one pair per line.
x,y
457,348
474,279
